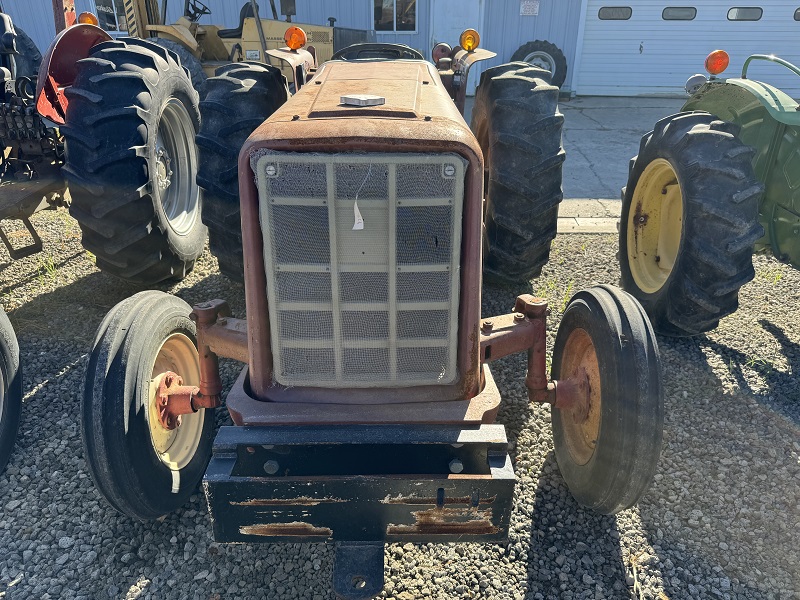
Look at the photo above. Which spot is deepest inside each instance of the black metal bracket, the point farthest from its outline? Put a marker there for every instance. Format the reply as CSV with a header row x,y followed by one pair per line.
x,y
357,570
17,253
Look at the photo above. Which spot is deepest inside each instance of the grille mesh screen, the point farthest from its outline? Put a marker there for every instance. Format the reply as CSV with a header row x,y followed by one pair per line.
x,y
351,307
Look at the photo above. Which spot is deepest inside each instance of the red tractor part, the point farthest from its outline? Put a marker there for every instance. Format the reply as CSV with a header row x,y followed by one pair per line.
x,y
60,67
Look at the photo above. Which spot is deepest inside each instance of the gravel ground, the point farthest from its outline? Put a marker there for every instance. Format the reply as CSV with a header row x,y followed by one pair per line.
x,y
721,520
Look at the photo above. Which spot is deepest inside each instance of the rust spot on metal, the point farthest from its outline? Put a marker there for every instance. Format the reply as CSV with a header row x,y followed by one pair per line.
x,y
439,521
300,501
296,528
432,500
640,218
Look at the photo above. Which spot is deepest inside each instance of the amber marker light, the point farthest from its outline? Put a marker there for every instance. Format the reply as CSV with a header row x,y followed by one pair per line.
x,y
295,37
88,18
469,40
717,62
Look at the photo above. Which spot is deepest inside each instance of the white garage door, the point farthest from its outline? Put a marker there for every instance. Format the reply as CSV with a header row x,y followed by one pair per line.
x,y
650,47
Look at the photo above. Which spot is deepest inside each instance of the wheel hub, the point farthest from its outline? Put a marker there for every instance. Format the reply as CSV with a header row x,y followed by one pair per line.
x,y
174,439
541,60
580,418
163,169
655,226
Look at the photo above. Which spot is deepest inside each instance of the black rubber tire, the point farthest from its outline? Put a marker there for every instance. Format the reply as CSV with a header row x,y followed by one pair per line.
x,y
518,126
115,108
720,199
235,101
29,58
10,389
114,409
554,52
628,446
187,60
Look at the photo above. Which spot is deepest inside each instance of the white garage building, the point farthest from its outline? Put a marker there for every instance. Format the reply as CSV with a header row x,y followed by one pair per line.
x,y
650,47
612,47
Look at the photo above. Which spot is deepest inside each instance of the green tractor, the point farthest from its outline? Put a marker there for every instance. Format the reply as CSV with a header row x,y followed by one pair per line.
x,y
709,186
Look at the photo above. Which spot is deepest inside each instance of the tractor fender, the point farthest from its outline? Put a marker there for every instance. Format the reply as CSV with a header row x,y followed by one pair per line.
x,y
178,34
60,65
716,93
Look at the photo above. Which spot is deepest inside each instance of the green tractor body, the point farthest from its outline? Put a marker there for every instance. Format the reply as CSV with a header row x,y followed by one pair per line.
x,y
711,185
770,123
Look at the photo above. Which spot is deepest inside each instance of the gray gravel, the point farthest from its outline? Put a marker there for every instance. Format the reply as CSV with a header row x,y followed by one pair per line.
x,y
721,520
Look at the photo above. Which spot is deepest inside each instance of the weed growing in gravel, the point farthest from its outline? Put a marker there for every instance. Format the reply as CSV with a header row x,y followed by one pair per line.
x,y
47,266
771,275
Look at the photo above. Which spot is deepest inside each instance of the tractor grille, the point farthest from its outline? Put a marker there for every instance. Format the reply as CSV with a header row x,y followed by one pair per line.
x,y
362,307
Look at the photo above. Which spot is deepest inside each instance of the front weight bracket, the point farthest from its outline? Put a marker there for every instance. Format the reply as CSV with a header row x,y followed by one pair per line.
x,y
357,570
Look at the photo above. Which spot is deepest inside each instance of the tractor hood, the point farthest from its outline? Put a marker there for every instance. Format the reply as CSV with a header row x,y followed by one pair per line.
x,y
410,89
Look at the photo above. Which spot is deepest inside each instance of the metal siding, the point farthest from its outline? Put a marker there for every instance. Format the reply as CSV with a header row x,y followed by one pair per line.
x,y
674,50
504,30
316,12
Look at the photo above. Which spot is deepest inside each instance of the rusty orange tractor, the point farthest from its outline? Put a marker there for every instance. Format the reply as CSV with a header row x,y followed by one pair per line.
x,y
365,412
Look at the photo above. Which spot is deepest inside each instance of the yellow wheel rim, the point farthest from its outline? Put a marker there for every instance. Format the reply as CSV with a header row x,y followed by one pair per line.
x,y
175,448
581,427
655,223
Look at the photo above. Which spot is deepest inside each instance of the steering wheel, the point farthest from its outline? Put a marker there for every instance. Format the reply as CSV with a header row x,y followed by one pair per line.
x,y
195,10
372,51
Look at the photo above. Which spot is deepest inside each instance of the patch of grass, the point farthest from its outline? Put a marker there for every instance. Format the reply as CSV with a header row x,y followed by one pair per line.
x,y
771,275
47,266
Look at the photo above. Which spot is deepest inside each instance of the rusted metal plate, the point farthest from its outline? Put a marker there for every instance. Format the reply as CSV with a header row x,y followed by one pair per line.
x,y
246,410
378,483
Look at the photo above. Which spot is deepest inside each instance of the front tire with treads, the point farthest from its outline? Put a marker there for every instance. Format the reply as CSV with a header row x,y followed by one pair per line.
x,y
689,223
10,389
131,161
518,126
235,101
141,468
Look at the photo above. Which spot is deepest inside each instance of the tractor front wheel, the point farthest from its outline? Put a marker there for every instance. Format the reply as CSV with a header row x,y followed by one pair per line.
x,y
143,469
10,389
689,223
607,445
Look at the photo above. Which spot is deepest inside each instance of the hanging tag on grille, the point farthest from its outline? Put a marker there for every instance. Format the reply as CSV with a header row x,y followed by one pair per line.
x,y
359,220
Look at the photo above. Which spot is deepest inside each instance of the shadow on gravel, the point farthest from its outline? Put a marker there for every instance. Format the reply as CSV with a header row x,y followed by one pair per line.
x,y
783,395
584,547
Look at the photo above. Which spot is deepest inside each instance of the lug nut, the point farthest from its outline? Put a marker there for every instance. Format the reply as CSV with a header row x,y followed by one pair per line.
x,y
456,466
271,467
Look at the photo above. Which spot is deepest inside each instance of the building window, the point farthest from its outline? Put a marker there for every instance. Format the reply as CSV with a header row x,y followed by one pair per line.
x,y
797,15
615,13
679,13
111,15
745,14
395,15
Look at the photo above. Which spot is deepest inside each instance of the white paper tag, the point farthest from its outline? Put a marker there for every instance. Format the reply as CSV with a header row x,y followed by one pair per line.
x,y
359,220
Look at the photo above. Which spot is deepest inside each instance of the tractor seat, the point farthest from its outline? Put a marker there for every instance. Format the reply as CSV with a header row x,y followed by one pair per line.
x,y
247,11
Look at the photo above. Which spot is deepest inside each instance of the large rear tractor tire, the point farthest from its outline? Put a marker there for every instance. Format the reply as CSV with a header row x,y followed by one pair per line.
x,y
131,161
544,55
235,101
143,469
29,59
517,123
10,389
188,60
607,446
689,223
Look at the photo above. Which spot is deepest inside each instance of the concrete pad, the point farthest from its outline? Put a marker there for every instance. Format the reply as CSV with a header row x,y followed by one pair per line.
x,y
590,208
601,135
587,225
